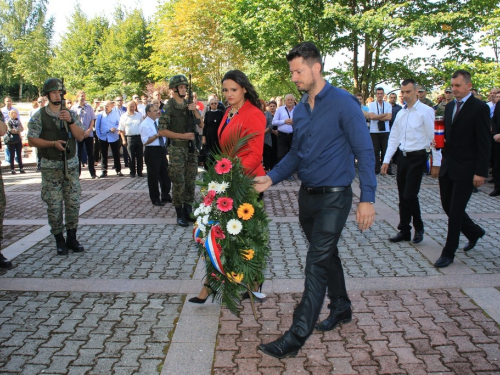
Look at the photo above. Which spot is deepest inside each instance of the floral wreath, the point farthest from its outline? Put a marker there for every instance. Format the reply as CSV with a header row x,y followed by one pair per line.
x,y
231,228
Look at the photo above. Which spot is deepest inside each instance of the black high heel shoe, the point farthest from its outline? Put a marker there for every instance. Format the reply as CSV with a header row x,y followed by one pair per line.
x,y
200,300
246,295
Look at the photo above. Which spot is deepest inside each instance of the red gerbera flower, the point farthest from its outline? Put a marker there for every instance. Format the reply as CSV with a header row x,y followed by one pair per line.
x,y
218,232
223,166
199,240
225,204
209,198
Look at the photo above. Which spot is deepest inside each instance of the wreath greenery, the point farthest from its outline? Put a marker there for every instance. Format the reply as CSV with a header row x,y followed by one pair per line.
x,y
231,228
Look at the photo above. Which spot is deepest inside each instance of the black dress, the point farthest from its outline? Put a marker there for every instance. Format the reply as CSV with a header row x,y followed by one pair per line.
x,y
212,122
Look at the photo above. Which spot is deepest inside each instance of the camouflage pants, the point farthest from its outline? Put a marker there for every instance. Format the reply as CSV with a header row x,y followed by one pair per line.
x,y
3,203
55,191
182,169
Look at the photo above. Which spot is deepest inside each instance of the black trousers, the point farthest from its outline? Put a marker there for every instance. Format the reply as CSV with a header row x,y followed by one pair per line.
x,y
88,143
496,165
284,144
409,178
322,217
97,149
115,150
454,198
157,166
379,141
136,153
16,150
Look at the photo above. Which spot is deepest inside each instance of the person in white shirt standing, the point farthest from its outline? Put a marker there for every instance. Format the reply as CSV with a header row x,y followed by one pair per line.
x,y
413,133
380,113
130,133
283,119
155,156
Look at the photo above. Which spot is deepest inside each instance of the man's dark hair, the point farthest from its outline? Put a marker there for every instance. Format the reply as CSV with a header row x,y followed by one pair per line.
x,y
464,73
379,88
149,106
409,81
272,102
308,51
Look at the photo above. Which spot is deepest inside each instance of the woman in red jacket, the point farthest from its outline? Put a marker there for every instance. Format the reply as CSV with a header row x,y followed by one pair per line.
x,y
243,116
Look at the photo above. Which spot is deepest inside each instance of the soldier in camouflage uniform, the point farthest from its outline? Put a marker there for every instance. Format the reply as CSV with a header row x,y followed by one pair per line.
x,y
422,97
448,96
183,162
4,262
55,132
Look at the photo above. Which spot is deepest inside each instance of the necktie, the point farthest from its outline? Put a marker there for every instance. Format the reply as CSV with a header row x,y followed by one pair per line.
x,y
161,140
459,105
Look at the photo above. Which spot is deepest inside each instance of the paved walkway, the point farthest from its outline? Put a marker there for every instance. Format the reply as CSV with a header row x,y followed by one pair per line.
x,y
120,307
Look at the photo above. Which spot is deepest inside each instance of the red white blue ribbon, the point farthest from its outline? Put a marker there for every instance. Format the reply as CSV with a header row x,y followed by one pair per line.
x,y
213,251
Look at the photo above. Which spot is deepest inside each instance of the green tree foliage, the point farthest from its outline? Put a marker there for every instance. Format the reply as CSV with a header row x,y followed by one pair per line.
x,y
103,58
366,31
186,38
25,41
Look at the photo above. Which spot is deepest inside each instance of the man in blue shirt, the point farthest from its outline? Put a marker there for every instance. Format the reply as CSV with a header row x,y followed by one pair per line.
x,y
329,133
106,128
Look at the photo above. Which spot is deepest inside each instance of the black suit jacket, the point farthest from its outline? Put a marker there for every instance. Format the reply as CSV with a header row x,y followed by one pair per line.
x,y
495,121
468,141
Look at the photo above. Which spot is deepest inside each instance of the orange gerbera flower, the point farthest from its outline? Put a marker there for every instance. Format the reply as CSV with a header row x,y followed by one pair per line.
x,y
234,277
245,211
247,254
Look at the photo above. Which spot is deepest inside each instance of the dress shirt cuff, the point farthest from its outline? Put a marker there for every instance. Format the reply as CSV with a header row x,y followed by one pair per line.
x,y
437,156
367,196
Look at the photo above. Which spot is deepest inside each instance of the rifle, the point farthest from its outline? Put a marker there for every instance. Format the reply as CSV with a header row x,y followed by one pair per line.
x,y
191,128
65,135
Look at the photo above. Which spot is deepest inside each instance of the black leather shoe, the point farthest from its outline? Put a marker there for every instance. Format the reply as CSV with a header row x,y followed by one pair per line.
x,y
280,348
119,174
419,236
475,190
390,173
401,237
62,249
443,262
103,175
94,177
167,198
188,209
473,243
161,204
71,241
140,174
334,319
495,193
4,262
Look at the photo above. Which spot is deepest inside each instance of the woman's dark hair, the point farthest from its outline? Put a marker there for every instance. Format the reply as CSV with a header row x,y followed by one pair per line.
x,y
241,79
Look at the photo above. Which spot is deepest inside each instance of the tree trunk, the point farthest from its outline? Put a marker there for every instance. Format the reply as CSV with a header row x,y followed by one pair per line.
x,y
20,89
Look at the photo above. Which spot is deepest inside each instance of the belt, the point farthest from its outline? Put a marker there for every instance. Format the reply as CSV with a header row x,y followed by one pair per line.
x,y
133,135
324,189
279,131
179,143
414,153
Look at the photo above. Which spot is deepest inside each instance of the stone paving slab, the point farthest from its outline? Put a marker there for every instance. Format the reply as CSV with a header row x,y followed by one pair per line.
x,y
85,333
13,233
485,257
430,201
392,332
138,183
114,252
129,205
363,254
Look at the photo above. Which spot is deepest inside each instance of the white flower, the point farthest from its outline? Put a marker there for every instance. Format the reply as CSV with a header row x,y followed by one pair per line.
x,y
201,226
197,212
207,210
234,227
205,219
212,186
221,188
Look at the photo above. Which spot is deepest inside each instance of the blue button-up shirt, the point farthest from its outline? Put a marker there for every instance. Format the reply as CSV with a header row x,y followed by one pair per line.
x,y
86,114
326,141
104,123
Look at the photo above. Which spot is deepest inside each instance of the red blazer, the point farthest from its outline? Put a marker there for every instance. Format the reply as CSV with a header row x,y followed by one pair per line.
x,y
251,120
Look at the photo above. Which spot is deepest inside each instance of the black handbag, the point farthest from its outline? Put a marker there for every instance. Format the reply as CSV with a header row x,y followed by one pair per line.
x,y
11,139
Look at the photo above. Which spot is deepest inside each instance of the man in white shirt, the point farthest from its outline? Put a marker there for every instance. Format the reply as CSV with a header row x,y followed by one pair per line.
x,y
155,156
5,112
106,128
141,107
492,100
412,132
283,119
380,115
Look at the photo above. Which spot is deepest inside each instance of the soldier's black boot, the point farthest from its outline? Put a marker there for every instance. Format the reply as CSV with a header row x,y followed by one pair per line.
x,y
4,262
188,210
72,243
61,244
181,217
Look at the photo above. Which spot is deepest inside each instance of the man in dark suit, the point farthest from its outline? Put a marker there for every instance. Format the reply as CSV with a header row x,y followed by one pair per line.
x,y
495,127
465,163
